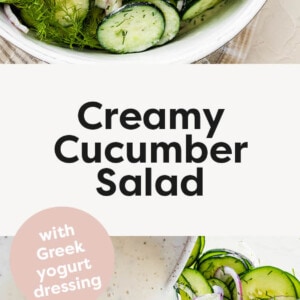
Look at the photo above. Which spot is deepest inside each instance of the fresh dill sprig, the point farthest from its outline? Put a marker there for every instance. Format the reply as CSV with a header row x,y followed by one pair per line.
x,y
61,22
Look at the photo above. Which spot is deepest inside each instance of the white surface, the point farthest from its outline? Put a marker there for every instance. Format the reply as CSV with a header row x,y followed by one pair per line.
x,y
282,252
277,35
39,109
185,49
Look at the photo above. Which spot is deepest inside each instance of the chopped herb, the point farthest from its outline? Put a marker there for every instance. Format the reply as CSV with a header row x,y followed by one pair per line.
x,y
124,33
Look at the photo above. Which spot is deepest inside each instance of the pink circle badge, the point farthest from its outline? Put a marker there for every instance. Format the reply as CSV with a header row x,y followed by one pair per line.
x,y
62,254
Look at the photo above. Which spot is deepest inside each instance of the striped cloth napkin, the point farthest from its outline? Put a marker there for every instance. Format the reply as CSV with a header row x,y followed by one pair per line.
x,y
234,52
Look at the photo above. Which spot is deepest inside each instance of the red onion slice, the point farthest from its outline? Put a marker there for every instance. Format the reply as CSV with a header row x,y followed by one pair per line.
x,y
221,272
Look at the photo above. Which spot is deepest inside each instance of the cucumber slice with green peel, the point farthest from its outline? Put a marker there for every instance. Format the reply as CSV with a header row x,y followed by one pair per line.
x,y
266,283
231,287
209,266
221,284
296,283
248,262
193,8
196,252
184,289
213,252
172,19
108,5
173,2
197,282
134,27
182,281
223,252
202,244
184,295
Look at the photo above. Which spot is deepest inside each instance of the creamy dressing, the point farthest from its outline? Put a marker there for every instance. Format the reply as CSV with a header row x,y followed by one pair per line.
x,y
145,268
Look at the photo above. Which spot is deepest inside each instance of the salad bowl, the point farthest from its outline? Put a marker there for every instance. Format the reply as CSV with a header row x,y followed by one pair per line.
x,y
191,44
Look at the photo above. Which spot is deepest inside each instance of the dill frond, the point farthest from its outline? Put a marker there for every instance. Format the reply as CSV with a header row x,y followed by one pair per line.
x,y
61,22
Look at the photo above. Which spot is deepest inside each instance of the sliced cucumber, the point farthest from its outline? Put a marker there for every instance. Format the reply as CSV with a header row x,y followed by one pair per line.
x,y
193,8
221,284
198,284
197,250
266,283
184,295
296,283
182,281
184,289
231,287
173,2
134,27
108,5
172,19
209,266
224,252
214,253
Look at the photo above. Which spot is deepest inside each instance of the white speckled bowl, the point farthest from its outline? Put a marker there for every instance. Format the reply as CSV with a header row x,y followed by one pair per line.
x,y
148,267
187,48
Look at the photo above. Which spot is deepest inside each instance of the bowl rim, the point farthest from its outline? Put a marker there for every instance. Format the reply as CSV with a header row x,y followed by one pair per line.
x,y
184,50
